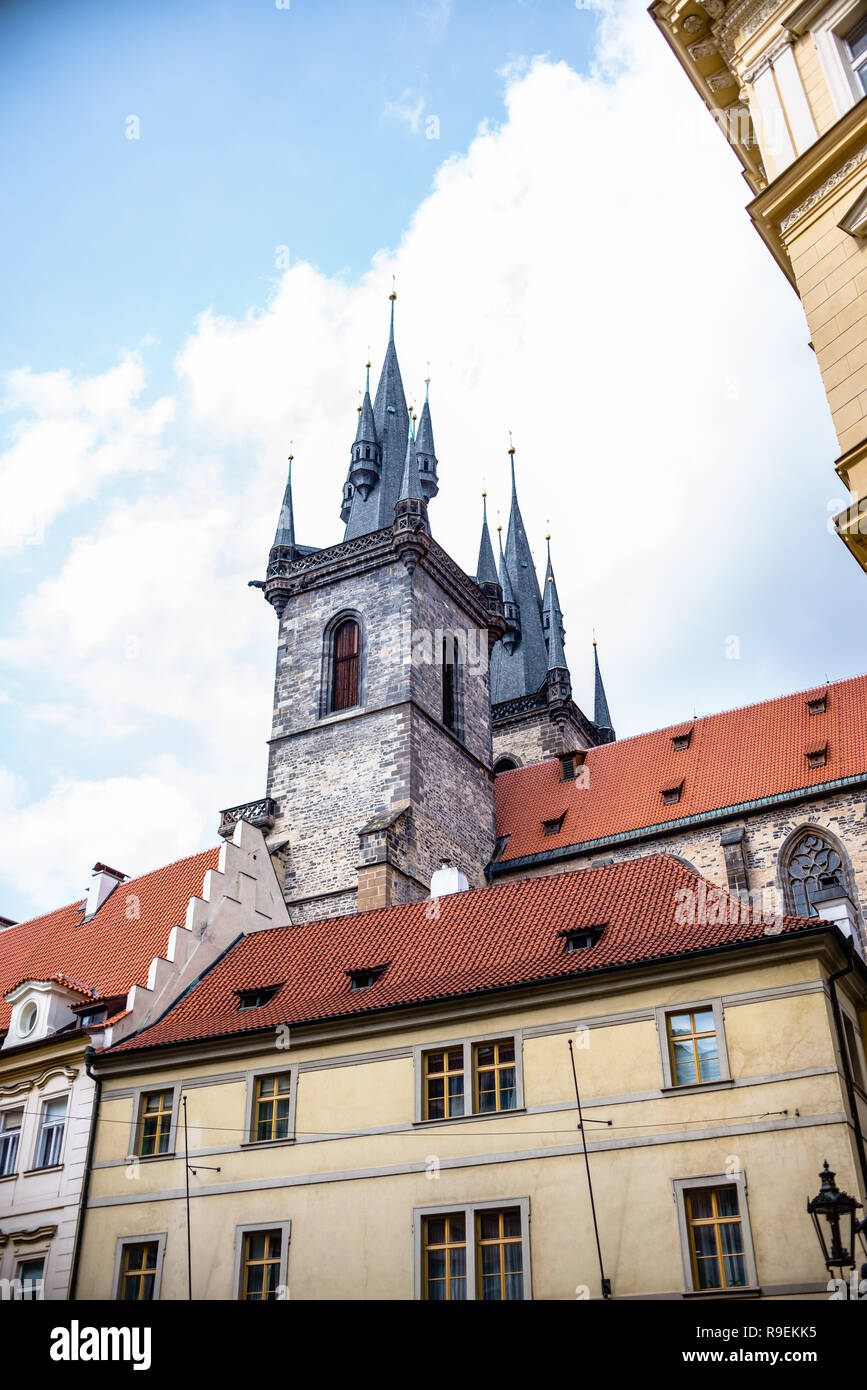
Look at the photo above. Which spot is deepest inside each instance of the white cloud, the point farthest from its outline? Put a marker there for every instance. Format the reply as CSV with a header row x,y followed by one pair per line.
x,y
69,438
585,276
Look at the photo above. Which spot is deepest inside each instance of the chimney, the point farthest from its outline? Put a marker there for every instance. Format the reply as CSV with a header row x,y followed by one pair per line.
x,y
103,883
833,903
448,879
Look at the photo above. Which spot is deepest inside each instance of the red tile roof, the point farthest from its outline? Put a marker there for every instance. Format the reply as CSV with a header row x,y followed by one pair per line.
x,y
111,952
740,756
470,942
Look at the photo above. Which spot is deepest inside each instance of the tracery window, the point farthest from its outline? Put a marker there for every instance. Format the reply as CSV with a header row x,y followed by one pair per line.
x,y
813,863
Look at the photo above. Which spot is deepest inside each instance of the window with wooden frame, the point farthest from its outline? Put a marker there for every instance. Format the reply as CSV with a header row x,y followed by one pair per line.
x,y
444,1257
499,1255
31,1277
468,1076
260,1265
10,1136
272,1107
693,1047
717,1245
473,1251
443,1084
494,1078
138,1271
344,666
155,1123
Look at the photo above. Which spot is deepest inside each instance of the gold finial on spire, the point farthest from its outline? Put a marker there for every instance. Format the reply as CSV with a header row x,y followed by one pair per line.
x,y
484,494
511,445
393,294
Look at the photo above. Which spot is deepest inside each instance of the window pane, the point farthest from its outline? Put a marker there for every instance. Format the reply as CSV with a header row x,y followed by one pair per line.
x,y
684,1064
256,1245
507,1052
727,1201
434,1062
508,1094
708,1274
735,1271
436,1230
456,1060
456,1095
512,1223
485,1055
457,1227
701,1204
679,1023
489,1225
704,1238
704,1021
458,1263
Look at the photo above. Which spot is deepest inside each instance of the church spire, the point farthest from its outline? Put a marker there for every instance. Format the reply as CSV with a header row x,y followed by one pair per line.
x,y
285,534
486,569
427,459
365,462
601,715
552,618
410,532
372,507
511,609
524,667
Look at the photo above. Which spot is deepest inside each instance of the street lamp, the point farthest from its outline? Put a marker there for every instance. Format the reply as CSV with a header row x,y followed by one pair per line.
x,y
838,1209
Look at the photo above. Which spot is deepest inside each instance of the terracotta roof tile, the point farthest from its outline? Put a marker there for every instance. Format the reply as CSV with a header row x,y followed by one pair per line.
x,y
112,952
742,755
479,940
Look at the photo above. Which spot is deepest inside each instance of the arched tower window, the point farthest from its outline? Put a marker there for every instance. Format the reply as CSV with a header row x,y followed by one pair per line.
x,y
450,682
812,863
504,764
344,674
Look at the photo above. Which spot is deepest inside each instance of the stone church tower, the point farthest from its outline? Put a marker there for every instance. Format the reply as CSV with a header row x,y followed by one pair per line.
x,y
380,761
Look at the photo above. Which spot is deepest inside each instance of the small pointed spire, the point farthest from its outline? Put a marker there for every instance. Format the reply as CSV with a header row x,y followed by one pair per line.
x,y
285,534
486,569
392,297
410,486
601,714
552,618
427,458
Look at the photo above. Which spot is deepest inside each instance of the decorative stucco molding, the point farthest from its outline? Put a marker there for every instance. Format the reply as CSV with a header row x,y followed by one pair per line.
x,y
17,1088
836,178
32,1236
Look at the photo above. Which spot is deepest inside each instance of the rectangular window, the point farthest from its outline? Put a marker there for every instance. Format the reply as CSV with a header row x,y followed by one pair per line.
x,y
139,1272
273,1113
473,1252
851,1034
155,1126
499,1249
856,48
31,1275
716,1238
261,1262
494,1076
10,1134
470,1076
51,1130
444,1256
444,1084
693,1047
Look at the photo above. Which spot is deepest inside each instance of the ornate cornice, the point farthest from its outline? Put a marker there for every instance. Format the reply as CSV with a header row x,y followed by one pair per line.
x,y
32,1236
816,197
17,1088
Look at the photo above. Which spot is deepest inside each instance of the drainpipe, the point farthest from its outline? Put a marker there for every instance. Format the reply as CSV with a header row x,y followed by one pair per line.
x,y
847,1070
89,1055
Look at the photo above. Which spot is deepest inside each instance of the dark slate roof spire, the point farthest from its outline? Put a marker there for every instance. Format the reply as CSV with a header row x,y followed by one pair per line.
x,y
410,485
601,715
521,670
375,510
285,534
486,569
427,458
552,619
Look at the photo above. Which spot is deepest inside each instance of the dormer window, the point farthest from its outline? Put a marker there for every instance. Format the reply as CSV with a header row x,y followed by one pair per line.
x,y
570,764
364,979
671,795
553,827
581,939
256,998
817,706
818,757
680,742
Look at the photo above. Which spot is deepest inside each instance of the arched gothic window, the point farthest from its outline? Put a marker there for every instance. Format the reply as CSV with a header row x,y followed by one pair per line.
x,y
504,765
344,666
812,863
450,682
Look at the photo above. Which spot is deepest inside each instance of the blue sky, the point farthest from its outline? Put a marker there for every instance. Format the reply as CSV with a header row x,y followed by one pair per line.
x,y
574,263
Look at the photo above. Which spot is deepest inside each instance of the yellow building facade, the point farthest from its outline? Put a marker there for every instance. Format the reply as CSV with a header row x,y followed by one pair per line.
x,y
786,84
317,1171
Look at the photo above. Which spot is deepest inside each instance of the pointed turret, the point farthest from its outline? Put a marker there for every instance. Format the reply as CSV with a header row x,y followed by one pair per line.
x,y
373,509
551,610
365,464
410,533
284,550
427,459
511,608
522,670
285,533
486,568
601,714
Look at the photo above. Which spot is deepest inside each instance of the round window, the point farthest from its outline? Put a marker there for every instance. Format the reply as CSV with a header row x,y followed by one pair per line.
x,y
27,1022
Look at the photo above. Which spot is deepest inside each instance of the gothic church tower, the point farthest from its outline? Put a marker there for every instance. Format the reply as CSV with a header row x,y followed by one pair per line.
x,y
380,761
